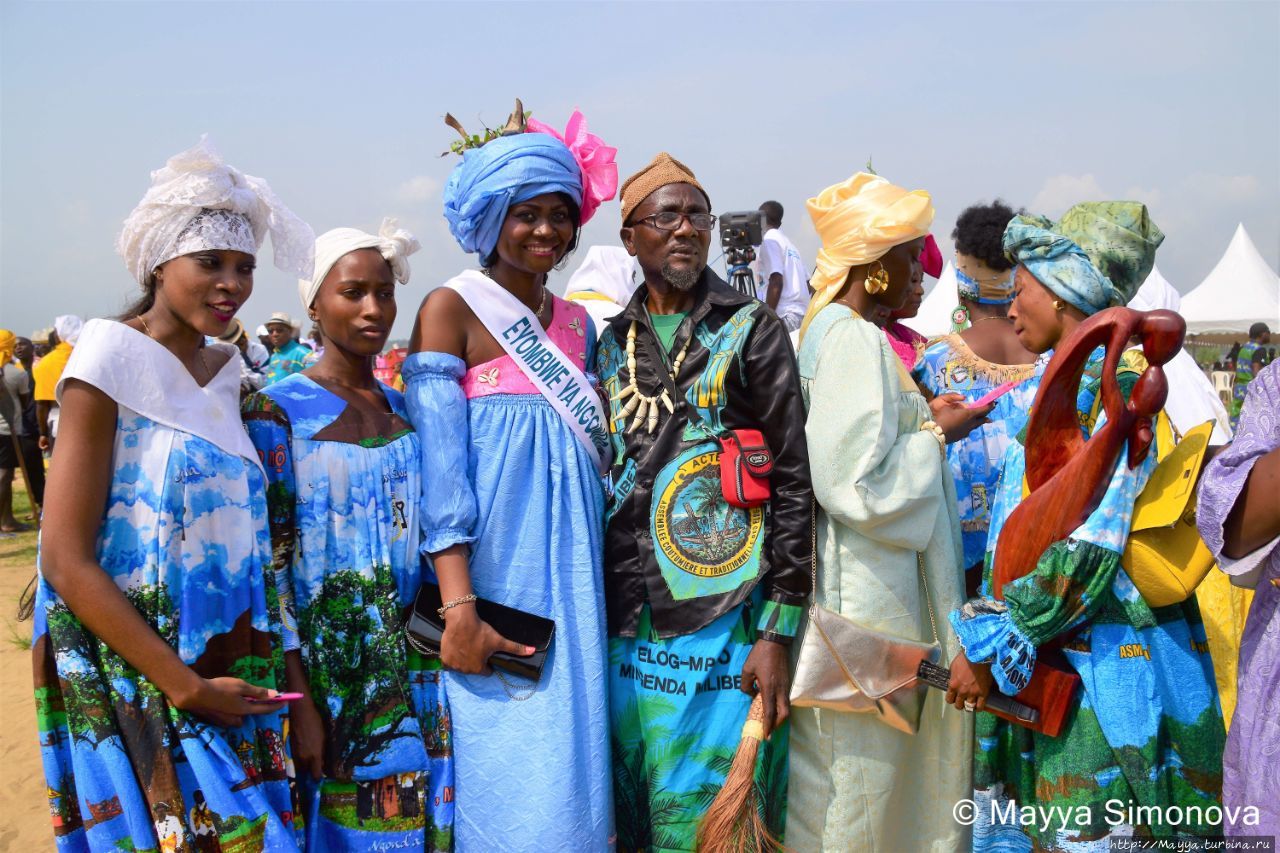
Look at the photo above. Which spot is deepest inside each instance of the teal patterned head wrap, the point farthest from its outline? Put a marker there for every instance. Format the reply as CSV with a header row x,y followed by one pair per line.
x,y
1095,257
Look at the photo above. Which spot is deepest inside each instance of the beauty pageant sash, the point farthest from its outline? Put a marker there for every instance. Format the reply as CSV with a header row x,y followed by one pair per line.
x,y
552,372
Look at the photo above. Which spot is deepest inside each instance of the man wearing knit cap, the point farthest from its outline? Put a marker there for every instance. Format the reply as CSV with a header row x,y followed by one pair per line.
x,y
704,596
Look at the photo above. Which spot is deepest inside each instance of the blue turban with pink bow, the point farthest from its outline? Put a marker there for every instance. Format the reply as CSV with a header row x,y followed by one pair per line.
x,y
516,168
505,171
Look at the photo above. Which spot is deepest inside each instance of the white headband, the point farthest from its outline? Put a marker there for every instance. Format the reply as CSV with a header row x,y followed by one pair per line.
x,y
392,242
180,214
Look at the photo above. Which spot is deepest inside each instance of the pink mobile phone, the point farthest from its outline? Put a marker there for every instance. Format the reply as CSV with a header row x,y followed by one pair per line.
x,y
992,395
279,697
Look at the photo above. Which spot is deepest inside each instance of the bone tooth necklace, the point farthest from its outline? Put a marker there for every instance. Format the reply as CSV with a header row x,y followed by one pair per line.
x,y
642,408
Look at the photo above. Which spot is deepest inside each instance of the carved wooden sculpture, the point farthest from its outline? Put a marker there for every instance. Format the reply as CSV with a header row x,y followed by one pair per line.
x,y
1068,474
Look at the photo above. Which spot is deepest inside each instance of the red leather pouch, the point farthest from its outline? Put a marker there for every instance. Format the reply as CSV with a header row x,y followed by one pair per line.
x,y
745,465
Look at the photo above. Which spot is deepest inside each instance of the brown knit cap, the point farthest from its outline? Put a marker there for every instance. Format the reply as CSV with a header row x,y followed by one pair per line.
x,y
663,170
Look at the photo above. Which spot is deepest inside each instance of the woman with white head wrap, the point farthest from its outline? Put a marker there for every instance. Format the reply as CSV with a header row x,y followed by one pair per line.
x,y
342,491
157,641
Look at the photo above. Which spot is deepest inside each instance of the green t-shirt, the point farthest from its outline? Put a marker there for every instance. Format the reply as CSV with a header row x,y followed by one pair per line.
x,y
665,325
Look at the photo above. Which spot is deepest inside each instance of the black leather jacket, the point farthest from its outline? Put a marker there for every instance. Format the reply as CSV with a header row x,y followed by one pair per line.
x,y
670,538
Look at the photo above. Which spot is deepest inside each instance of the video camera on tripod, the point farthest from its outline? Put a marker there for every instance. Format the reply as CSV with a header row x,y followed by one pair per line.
x,y
740,232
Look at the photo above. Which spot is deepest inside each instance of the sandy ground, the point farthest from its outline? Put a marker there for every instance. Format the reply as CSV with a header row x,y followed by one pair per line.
x,y
24,810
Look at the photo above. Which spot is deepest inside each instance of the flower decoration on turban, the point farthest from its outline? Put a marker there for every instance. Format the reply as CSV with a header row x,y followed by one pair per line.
x,y
1095,257
594,158
859,221
518,166
198,202
392,242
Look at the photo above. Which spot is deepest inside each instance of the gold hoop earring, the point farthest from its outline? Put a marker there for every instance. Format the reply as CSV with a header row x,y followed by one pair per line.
x,y
877,282
1058,305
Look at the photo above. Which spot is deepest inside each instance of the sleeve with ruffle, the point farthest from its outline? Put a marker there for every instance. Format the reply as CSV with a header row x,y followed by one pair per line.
x,y
865,475
272,436
438,412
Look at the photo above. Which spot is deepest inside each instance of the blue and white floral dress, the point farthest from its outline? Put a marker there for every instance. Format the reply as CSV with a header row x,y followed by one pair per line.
x,y
184,537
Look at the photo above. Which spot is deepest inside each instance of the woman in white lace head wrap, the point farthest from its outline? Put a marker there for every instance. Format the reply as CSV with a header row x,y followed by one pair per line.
x,y
156,571
197,203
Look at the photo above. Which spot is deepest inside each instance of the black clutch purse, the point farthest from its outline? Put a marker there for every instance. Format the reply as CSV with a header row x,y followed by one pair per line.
x,y
425,627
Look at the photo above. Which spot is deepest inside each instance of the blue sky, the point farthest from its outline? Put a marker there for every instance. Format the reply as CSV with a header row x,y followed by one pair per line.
x,y
340,105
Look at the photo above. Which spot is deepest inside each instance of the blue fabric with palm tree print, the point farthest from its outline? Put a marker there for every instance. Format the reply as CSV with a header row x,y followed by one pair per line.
x,y
684,694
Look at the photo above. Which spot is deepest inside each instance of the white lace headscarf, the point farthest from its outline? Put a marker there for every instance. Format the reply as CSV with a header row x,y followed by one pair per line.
x,y
198,202
392,242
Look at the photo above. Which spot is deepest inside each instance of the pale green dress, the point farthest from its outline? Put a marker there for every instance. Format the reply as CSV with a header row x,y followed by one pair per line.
x,y
884,493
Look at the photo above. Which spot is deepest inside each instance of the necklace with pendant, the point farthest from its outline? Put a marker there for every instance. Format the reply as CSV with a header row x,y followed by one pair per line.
x,y
643,408
204,362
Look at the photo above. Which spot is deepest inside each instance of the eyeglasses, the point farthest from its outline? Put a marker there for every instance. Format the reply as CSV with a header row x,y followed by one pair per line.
x,y
670,220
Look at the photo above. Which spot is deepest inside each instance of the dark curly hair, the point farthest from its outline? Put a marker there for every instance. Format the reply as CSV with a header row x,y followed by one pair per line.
x,y
979,233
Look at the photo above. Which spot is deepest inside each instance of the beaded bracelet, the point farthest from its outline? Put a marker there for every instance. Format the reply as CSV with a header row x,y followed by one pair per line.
x,y
465,599
931,426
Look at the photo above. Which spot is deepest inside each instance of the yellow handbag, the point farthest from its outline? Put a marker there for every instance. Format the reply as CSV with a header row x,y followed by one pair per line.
x,y
1165,557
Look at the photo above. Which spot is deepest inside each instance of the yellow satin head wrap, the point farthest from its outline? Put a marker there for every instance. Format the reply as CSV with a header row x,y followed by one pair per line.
x,y
8,342
859,221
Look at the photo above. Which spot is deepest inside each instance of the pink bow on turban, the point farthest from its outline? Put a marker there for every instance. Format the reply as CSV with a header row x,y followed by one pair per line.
x,y
594,158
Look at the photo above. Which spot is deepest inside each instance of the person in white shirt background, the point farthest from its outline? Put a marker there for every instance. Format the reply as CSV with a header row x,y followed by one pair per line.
x,y
783,284
604,283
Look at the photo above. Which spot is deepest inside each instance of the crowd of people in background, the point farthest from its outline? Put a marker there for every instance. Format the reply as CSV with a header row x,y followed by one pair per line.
x,y
718,502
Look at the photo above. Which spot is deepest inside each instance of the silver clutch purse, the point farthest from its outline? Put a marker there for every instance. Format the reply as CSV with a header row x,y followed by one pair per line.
x,y
843,666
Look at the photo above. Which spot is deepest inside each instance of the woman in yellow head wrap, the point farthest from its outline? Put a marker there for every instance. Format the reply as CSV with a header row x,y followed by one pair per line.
x,y
884,495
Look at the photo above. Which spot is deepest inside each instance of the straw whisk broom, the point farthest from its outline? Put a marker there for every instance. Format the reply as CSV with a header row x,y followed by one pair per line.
x,y
733,823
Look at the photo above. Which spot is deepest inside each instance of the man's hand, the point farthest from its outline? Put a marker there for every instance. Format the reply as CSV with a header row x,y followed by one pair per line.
x,y
768,672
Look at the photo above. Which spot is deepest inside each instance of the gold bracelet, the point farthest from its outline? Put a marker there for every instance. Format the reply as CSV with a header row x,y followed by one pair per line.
x,y
465,599
931,426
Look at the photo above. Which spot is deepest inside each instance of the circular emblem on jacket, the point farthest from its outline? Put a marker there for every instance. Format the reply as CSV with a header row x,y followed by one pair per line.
x,y
693,526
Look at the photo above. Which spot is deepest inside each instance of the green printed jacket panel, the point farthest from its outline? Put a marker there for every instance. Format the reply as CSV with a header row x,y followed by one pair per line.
x,y
671,539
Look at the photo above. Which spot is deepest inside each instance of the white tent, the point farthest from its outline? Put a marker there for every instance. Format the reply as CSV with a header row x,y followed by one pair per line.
x,y
1192,400
1241,290
934,317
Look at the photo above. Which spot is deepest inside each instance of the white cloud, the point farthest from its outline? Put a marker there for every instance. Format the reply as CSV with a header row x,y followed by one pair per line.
x,y
1226,189
418,189
1152,198
1062,191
